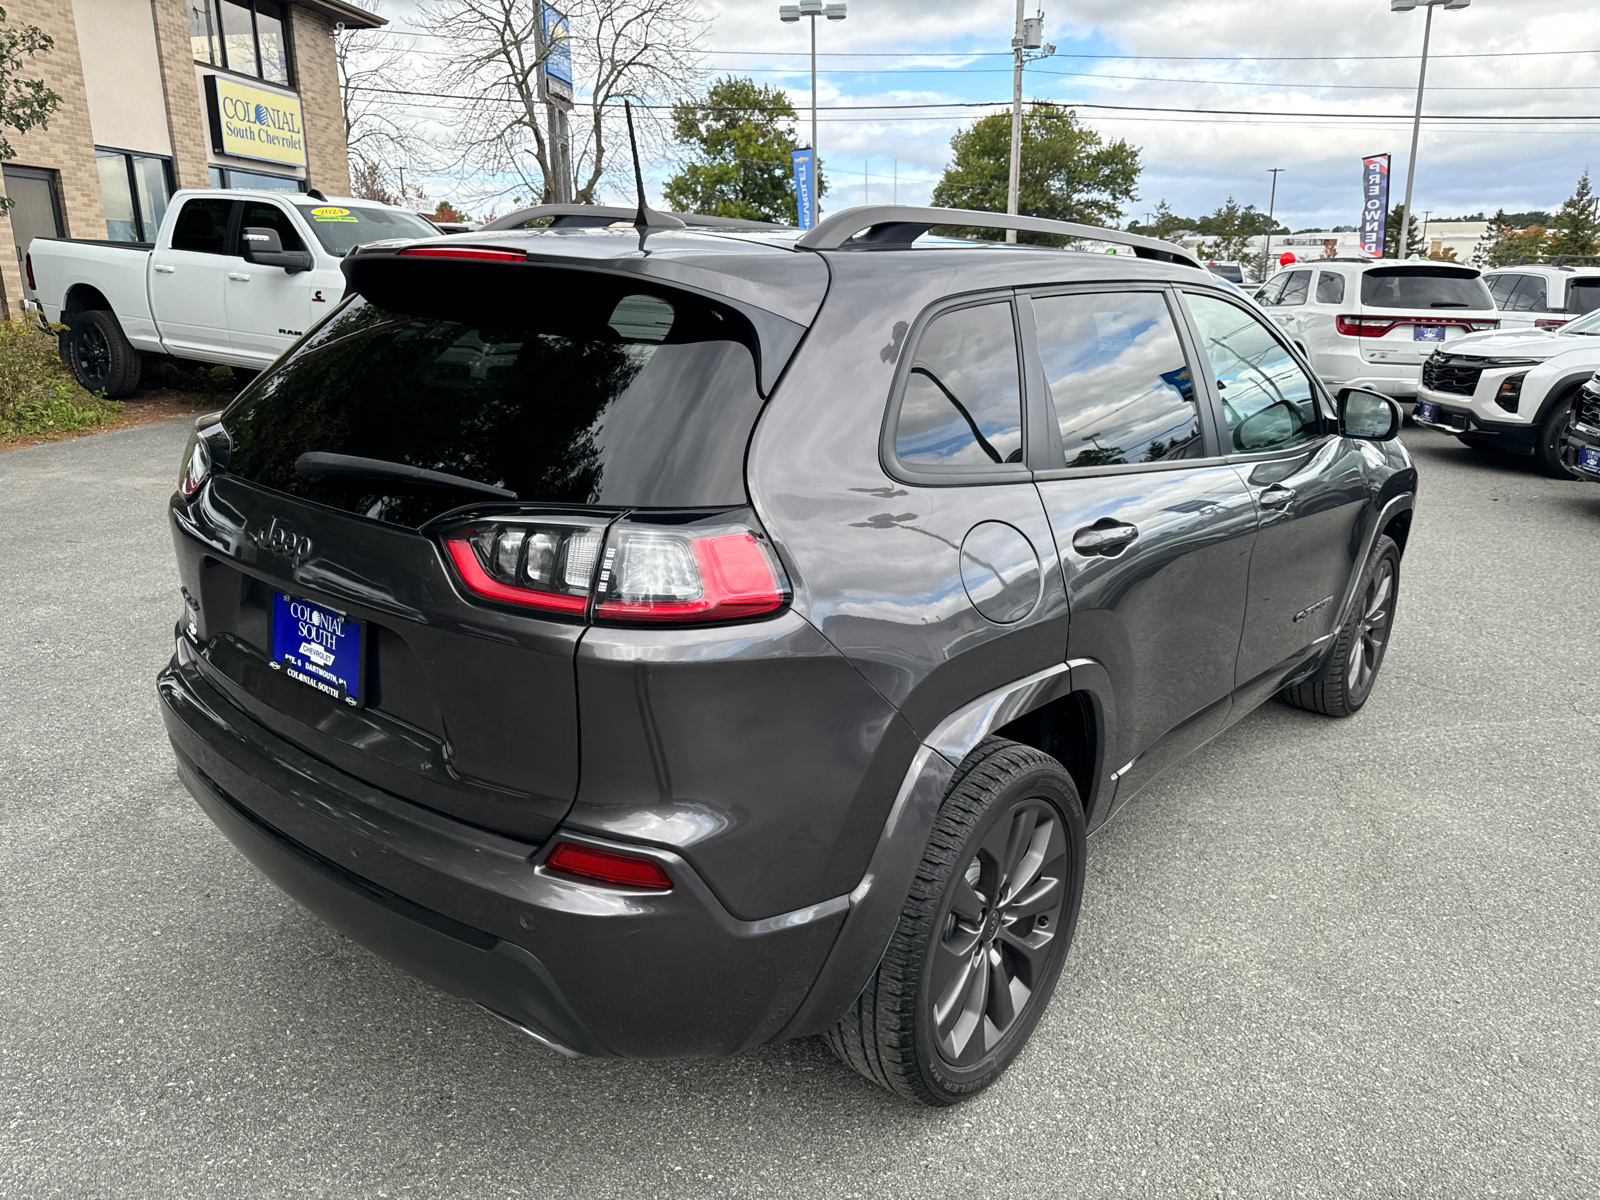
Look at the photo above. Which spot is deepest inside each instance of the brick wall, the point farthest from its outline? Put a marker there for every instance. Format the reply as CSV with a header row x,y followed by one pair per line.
x,y
186,114
66,146
317,74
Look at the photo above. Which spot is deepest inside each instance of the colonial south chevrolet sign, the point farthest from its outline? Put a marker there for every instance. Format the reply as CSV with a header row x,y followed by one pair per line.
x,y
251,122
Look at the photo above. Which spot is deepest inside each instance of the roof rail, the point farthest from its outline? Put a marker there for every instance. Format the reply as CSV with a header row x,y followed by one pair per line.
x,y
900,225
598,216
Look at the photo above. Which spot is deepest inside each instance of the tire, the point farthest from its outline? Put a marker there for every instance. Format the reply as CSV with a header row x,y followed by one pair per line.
x,y
1009,806
1547,443
1345,681
99,356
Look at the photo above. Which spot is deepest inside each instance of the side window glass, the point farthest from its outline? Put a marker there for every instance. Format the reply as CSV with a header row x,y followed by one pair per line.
x,y
1269,401
1330,288
1122,389
261,215
1272,289
202,225
1500,288
1297,288
1526,295
962,405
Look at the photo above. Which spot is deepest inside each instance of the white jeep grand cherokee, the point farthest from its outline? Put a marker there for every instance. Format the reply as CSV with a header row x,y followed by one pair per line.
x,y
1511,390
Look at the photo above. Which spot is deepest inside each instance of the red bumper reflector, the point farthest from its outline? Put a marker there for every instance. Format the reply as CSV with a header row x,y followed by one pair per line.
x,y
479,581
621,870
477,252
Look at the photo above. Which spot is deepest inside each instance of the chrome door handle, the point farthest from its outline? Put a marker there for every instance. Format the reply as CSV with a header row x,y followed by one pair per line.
x,y
1276,496
1106,537
164,269
240,277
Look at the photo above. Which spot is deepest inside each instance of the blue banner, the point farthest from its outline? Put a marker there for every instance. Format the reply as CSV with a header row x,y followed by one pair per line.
x,y
1375,204
804,191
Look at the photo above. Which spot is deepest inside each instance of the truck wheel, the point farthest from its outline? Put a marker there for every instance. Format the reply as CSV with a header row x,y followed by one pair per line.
x,y
99,355
1547,445
1345,681
974,959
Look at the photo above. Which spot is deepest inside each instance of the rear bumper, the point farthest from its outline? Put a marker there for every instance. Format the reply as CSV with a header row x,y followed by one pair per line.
x,y
1398,380
592,969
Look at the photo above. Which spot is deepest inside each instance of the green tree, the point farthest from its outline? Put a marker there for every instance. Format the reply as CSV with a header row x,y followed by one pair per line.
x,y
24,103
1391,236
1231,228
1068,172
1505,243
740,139
1577,225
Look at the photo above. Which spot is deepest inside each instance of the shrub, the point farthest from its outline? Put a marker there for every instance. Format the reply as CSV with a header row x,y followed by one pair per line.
x,y
37,392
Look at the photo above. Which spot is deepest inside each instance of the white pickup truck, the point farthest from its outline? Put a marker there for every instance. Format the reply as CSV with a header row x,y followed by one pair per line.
x,y
234,277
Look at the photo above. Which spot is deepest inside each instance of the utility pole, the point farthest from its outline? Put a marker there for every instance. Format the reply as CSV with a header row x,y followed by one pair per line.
x,y
1029,36
789,14
1272,211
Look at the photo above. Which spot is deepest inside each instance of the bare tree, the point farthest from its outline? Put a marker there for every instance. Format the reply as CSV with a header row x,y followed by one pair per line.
x,y
372,66
646,51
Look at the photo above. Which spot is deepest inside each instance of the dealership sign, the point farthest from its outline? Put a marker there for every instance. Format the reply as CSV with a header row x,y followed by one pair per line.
x,y
1375,203
555,65
251,122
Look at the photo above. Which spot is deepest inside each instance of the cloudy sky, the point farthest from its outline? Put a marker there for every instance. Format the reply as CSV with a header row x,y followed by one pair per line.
x,y
1273,59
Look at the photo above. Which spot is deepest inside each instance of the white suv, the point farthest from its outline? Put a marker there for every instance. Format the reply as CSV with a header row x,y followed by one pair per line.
x,y
1370,323
1512,390
1540,297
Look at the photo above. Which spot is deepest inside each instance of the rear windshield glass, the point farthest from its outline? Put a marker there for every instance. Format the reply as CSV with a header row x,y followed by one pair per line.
x,y
1232,272
340,227
1421,288
620,400
1583,296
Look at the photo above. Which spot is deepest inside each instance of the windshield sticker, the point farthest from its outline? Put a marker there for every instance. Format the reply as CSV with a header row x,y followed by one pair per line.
x,y
332,214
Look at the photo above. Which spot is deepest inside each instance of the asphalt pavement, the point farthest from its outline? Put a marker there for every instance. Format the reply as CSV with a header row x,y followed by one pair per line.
x,y
1319,958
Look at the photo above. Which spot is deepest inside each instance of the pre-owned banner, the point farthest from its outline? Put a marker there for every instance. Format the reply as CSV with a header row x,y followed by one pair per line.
x,y
1375,203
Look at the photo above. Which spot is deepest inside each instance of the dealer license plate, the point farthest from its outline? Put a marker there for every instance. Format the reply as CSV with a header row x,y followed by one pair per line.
x,y
1426,412
1589,458
317,646
1430,333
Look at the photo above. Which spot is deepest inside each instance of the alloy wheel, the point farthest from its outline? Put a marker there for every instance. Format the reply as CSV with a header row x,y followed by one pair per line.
x,y
93,354
1372,628
998,932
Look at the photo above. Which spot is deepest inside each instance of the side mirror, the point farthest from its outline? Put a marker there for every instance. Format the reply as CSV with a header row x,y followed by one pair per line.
x,y
264,248
1370,416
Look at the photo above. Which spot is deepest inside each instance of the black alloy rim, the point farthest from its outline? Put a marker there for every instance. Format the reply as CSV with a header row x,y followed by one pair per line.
x,y
1372,628
93,353
998,932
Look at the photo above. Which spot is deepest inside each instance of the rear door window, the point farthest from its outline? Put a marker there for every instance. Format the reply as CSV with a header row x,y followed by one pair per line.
x,y
1414,289
1296,288
1330,287
1119,381
202,225
610,398
1268,401
962,403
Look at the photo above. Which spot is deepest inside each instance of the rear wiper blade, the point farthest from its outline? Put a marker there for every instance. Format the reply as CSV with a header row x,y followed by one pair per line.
x,y
1448,304
316,464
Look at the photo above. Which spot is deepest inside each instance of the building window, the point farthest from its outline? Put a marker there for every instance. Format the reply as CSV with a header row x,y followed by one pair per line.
x,y
250,37
230,177
133,189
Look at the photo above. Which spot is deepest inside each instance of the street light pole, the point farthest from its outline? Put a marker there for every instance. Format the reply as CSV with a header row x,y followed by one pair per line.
x,y
1272,210
791,13
1422,83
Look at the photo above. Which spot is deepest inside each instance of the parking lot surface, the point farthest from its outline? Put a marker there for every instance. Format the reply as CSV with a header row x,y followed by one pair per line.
x,y
1319,958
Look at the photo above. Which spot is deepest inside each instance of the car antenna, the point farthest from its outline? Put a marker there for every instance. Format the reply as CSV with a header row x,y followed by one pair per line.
x,y
646,219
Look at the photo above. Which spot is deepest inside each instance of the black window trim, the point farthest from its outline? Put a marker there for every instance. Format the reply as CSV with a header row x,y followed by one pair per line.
x,y
1328,409
170,177
961,476
1209,429
289,64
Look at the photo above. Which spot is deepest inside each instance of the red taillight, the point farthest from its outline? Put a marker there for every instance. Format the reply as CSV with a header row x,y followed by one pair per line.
x,y
477,252
548,568
196,467
605,866
1546,323
1364,326
27,263
651,575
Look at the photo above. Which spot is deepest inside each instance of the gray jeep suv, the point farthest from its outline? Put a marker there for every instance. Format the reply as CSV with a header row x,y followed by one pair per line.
x,y
678,639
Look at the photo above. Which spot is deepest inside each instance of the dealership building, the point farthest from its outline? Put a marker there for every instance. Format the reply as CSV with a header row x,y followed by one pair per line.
x,y
158,95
